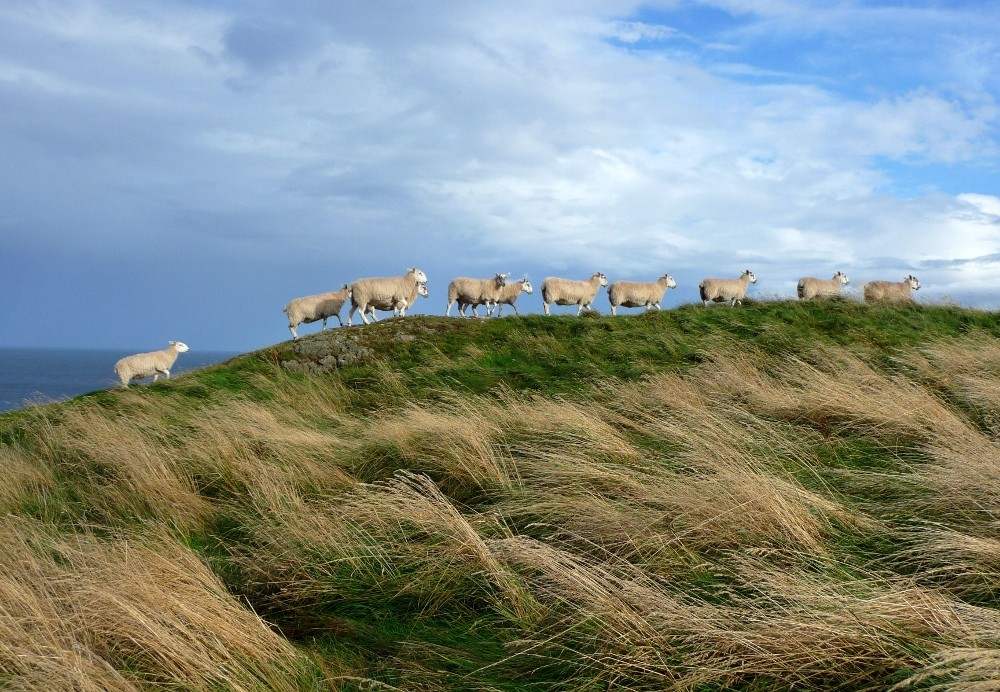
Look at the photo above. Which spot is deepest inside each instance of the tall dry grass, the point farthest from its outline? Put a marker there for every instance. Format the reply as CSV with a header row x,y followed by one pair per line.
x,y
788,629
83,613
965,476
108,469
597,497
697,528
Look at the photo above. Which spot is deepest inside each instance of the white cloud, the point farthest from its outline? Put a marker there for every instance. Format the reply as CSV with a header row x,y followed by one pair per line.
x,y
523,133
987,205
634,32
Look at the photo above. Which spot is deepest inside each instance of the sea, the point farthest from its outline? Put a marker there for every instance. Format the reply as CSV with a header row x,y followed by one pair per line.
x,y
43,375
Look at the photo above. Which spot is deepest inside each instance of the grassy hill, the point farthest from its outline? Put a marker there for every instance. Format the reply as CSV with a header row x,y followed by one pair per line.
x,y
776,496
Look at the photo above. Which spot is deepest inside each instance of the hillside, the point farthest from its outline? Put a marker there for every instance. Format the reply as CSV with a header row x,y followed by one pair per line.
x,y
776,496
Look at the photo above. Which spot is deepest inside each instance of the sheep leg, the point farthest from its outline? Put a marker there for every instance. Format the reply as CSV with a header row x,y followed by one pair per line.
x,y
614,310
324,325
363,317
447,313
545,306
294,335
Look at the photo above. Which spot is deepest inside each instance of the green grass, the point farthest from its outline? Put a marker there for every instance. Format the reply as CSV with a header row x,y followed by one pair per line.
x,y
637,502
552,354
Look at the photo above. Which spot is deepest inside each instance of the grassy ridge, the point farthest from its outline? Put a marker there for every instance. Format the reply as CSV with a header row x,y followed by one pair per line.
x,y
782,495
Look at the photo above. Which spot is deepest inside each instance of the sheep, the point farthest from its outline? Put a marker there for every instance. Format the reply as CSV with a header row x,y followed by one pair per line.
x,y
474,292
509,294
153,363
637,294
570,292
891,291
399,306
721,290
318,307
391,291
821,288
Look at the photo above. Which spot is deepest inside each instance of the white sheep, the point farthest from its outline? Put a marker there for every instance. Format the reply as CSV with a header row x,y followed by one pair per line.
x,y
474,292
638,294
571,292
318,307
810,287
891,291
721,290
154,363
509,295
391,291
399,307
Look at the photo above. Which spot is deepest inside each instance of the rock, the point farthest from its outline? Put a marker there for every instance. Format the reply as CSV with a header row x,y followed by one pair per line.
x,y
326,351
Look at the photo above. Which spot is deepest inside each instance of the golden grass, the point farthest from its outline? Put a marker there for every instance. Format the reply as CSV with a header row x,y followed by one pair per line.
x,y
23,479
246,446
833,391
779,625
680,531
81,613
121,463
457,438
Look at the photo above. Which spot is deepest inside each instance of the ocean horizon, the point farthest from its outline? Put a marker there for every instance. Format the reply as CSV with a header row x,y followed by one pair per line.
x,y
31,376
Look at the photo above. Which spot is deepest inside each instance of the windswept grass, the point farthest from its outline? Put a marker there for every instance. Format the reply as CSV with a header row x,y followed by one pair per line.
x,y
783,496
82,613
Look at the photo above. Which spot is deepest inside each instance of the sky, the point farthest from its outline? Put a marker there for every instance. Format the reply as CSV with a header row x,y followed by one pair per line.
x,y
180,169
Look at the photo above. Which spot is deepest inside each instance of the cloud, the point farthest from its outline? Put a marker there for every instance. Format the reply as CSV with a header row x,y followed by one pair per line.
x,y
988,206
265,45
338,139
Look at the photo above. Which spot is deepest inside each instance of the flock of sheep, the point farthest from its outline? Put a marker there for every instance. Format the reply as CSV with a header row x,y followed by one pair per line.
x,y
397,293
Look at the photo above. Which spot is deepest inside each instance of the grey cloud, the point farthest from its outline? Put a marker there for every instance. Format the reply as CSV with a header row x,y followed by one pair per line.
x,y
959,262
265,45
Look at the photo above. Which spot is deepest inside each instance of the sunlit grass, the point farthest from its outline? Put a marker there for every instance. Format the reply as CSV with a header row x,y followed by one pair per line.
x,y
781,496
